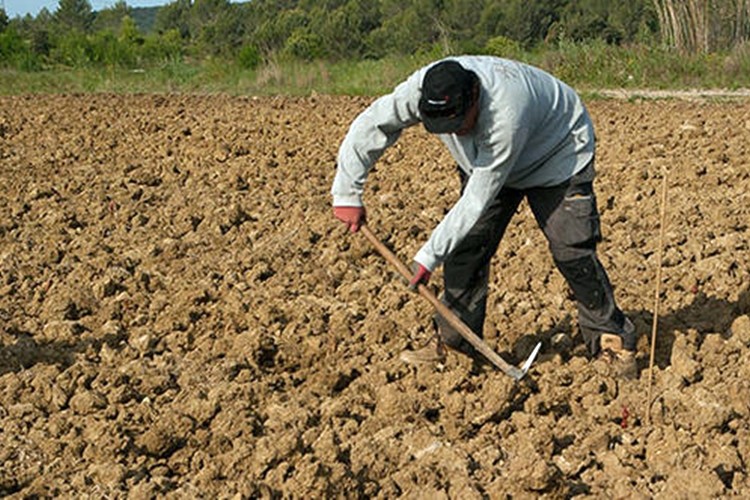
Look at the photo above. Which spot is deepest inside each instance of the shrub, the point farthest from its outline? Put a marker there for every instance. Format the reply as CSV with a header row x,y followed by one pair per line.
x,y
16,53
72,49
502,46
249,57
10,45
161,48
303,44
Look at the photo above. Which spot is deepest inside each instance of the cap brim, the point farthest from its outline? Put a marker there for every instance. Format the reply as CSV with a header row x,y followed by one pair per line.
x,y
442,124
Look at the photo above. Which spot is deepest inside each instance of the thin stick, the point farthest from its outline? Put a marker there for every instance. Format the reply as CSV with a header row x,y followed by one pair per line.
x,y
657,292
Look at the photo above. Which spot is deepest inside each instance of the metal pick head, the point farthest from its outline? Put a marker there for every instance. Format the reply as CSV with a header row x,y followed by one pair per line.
x,y
529,361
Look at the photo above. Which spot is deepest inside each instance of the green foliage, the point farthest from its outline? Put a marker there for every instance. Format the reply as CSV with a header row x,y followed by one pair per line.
x,y
613,22
402,34
159,48
174,16
104,48
129,33
502,46
575,38
177,73
214,27
124,47
595,61
3,20
526,22
371,77
304,44
11,48
71,49
249,57
111,18
74,15
39,43
272,33
145,18
333,30
587,66
343,29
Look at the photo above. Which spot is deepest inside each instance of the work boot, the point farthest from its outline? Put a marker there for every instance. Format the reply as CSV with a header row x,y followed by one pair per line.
x,y
620,360
433,352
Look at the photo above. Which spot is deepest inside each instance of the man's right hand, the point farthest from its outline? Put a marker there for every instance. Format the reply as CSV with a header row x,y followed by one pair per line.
x,y
421,276
353,217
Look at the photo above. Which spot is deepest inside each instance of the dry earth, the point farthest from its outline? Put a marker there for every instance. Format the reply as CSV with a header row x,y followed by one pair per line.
x,y
181,317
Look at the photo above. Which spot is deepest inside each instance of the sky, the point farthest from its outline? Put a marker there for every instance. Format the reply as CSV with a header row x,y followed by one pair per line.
x,y
15,8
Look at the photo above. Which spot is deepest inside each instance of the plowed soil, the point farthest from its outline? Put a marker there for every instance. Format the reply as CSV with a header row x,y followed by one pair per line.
x,y
181,316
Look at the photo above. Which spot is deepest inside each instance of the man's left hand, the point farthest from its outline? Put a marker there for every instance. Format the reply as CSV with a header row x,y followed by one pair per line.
x,y
353,217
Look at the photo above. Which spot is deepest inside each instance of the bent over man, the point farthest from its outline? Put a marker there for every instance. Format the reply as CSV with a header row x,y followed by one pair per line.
x,y
516,132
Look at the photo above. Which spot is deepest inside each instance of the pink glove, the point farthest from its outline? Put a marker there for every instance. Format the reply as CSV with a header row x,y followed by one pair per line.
x,y
353,217
421,276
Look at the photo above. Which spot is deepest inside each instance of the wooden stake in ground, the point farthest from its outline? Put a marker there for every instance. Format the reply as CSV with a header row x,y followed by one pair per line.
x,y
657,292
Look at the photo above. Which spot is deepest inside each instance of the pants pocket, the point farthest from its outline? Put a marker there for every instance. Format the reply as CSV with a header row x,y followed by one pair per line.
x,y
581,226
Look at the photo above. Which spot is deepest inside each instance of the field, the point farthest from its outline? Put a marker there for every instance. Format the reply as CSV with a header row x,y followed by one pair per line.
x,y
182,317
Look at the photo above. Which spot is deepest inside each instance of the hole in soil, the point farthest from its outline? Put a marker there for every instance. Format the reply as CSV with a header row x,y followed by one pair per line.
x,y
558,445
726,476
266,357
575,489
432,414
344,380
558,410
344,456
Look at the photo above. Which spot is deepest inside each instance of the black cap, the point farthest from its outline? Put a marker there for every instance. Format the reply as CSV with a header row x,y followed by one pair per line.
x,y
446,96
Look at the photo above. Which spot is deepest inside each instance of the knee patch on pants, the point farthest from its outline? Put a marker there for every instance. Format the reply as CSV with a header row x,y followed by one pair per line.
x,y
582,275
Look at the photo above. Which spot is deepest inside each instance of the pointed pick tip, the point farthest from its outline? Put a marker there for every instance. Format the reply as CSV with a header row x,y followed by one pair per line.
x,y
531,358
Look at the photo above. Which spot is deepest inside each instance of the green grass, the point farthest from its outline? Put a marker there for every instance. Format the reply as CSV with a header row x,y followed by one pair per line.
x,y
586,67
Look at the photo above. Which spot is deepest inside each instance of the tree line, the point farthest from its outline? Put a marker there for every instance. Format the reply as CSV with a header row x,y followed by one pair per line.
x,y
250,32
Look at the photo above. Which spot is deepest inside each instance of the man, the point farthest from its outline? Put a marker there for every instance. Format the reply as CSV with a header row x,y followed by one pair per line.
x,y
516,132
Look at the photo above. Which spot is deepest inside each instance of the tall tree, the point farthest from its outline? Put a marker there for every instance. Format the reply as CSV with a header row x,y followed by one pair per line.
x,y
110,18
174,16
703,25
3,20
408,27
344,29
215,26
74,15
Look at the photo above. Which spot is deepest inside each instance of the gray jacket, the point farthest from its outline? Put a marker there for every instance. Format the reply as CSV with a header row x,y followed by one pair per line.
x,y
532,131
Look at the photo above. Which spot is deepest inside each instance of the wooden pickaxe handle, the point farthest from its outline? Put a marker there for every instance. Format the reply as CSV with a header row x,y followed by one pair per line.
x,y
443,310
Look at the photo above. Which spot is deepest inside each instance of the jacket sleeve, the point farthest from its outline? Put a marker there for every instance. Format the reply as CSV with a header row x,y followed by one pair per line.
x,y
495,158
370,134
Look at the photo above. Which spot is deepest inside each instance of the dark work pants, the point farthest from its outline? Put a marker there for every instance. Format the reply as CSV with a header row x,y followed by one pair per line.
x,y
568,216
